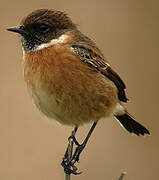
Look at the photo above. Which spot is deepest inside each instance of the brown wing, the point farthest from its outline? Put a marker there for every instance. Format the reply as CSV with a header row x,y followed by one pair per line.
x,y
96,61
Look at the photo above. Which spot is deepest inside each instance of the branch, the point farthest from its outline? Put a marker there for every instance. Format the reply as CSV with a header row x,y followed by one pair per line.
x,y
121,176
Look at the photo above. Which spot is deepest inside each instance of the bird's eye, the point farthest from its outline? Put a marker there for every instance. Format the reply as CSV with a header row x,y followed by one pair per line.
x,y
44,28
41,28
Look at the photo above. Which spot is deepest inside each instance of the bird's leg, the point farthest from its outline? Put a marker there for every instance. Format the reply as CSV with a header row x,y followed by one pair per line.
x,y
68,163
80,147
68,154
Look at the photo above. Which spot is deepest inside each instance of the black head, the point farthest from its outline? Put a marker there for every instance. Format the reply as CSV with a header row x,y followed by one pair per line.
x,y
41,26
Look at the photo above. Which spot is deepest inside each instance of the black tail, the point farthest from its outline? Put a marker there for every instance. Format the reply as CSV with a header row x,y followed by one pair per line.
x,y
131,125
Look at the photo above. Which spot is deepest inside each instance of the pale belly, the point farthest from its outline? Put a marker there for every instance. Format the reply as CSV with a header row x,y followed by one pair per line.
x,y
68,109
46,103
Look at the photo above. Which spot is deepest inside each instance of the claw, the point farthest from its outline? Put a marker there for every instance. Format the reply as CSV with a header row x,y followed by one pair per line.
x,y
70,169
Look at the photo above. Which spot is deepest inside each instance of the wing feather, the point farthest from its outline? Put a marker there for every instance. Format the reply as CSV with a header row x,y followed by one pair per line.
x,y
98,62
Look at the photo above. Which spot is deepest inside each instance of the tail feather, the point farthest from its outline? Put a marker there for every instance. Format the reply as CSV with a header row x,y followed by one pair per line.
x,y
131,125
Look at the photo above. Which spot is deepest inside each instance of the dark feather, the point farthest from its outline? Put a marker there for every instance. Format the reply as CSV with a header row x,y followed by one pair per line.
x,y
131,125
113,76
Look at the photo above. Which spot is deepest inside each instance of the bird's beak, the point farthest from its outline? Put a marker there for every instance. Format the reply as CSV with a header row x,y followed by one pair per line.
x,y
18,29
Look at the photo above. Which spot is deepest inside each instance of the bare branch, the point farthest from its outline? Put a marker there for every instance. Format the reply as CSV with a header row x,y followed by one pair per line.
x,y
121,176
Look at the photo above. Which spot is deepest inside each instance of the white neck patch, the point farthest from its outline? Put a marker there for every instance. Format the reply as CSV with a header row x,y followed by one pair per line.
x,y
61,39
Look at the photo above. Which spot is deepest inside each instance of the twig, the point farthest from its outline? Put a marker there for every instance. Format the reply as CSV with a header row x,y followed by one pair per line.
x,y
121,175
69,150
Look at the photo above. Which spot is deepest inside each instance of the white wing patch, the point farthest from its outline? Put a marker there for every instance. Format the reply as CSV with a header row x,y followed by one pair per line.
x,y
119,110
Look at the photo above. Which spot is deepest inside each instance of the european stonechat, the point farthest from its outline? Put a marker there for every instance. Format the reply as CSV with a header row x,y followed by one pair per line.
x,y
68,77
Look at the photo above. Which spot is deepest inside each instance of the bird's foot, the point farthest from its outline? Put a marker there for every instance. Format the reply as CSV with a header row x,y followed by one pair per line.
x,y
69,168
69,165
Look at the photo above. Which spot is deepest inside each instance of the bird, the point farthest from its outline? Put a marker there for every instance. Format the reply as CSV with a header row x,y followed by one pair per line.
x,y
69,78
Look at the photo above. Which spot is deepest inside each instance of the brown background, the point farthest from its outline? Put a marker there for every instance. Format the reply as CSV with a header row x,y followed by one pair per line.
x,y
31,147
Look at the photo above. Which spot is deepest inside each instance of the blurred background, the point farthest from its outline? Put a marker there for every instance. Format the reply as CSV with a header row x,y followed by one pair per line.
x,y
31,147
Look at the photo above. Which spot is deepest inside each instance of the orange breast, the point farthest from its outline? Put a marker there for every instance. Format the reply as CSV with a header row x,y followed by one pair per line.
x,y
66,89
